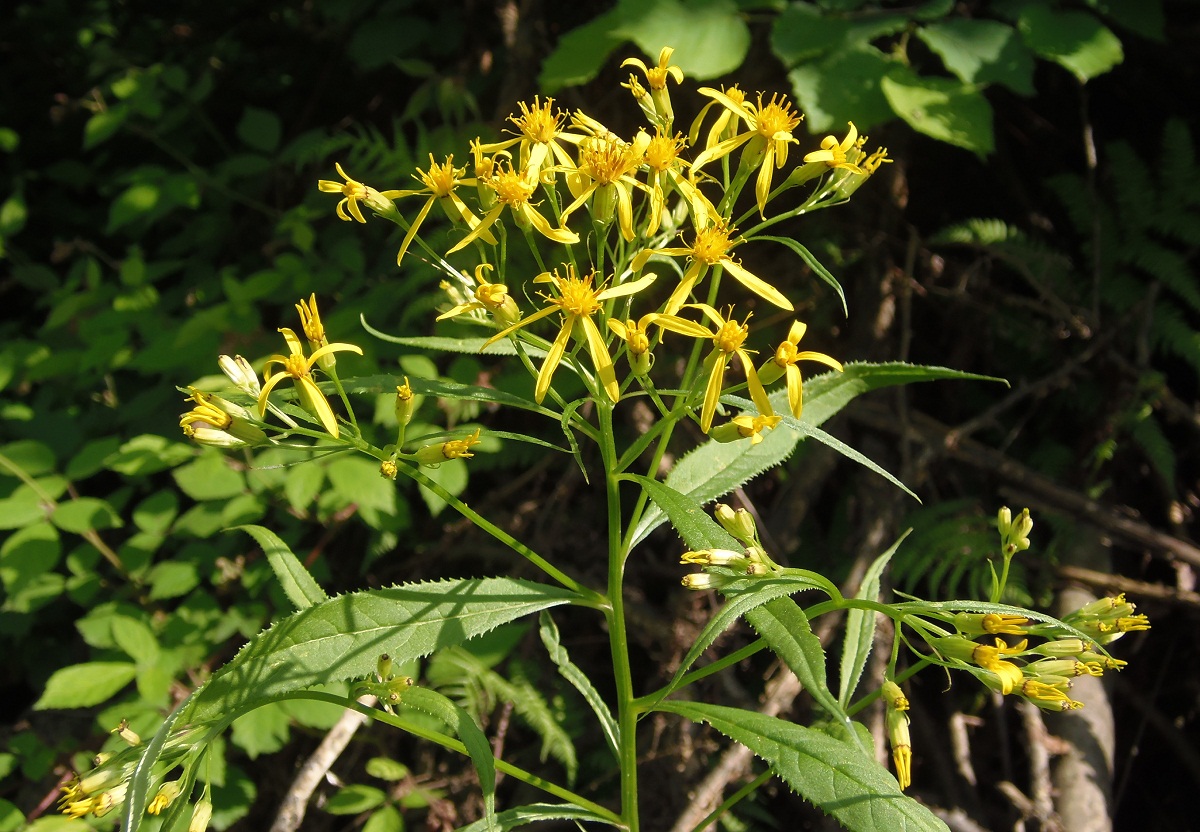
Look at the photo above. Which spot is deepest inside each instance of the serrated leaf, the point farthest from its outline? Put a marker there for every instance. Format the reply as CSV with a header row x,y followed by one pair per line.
x,y
548,632
785,627
473,346
831,774
846,451
84,685
688,516
460,722
946,110
860,626
343,637
298,584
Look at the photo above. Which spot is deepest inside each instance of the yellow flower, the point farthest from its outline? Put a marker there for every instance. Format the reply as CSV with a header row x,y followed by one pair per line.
x,y
354,192
440,182
489,297
540,139
768,134
786,359
991,658
728,338
605,175
899,736
433,455
656,78
165,796
665,170
218,422
834,153
1048,697
514,190
201,815
710,248
725,125
299,368
578,299
745,426
972,624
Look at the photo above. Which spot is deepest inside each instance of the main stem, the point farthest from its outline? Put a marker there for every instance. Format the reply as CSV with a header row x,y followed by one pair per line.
x,y
617,635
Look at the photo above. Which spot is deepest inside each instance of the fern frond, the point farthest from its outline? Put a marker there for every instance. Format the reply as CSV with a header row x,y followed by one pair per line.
x,y
1169,267
1148,435
1172,334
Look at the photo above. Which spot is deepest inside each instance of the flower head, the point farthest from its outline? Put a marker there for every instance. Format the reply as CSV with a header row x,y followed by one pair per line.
x,y
488,297
298,367
710,247
578,299
540,136
440,181
834,153
354,192
787,357
767,136
656,79
512,189
728,338
899,736
453,449
745,426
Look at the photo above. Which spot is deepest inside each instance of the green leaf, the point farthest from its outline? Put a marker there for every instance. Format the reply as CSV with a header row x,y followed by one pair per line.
x,y
785,627
385,768
860,626
84,685
981,52
172,579
354,799
28,554
445,390
260,129
709,36
814,264
580,53
147,454
132,204
831,774
384,819
472,737
528,815
579,680
298,584
688,516
31,457
135,639
443,344
343,637
451,475
155,514
264,730
1075,40
845,450
209,477
85,514
942,109
102,125
843,87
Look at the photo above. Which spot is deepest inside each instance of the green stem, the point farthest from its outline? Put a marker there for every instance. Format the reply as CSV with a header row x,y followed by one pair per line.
x,y
735,798
617,636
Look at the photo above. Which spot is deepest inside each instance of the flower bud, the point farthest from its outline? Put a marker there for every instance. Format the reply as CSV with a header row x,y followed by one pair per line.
x,y
405,403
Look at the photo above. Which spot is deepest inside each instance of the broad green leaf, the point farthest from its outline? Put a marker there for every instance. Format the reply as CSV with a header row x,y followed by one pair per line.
x,y
24,508
84,685
946,110
860,626
209,477
298,584
981,52
834,776
451,475
472,737
385,819
710,37
802,32
28,456
85,514
569,671
354,799
786,629
533,813
172,579
131,204
385,768
27,554
155,514
147,454
1077,41
135,639
101,126
264,730
580,53
343,637
843,87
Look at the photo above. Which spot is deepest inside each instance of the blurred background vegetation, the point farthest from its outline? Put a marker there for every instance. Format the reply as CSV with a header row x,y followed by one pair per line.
x,y
158,206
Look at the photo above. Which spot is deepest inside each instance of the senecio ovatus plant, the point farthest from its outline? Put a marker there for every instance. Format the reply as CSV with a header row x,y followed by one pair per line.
x,y
638,294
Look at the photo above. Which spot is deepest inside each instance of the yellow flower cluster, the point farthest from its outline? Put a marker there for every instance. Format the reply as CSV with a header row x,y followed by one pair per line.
x,y
608,208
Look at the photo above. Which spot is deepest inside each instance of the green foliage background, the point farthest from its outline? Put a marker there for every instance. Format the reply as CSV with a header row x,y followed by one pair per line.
x,y
158,206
